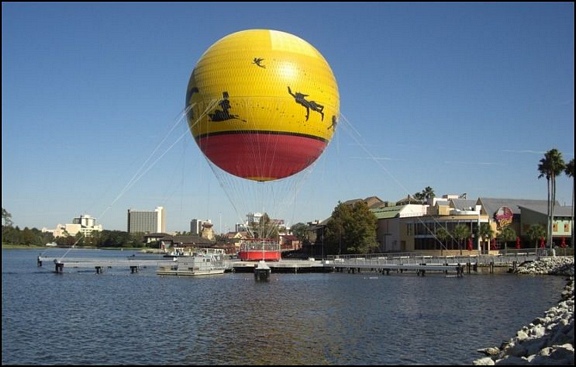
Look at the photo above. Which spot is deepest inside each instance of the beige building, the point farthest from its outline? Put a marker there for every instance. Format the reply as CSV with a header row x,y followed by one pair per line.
x,y
413,227
140,221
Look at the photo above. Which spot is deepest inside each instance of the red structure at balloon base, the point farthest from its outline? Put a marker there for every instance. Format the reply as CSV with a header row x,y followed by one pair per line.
x,y
258,249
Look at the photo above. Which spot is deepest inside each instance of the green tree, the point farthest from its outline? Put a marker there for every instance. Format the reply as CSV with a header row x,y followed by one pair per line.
x,y
11,235
7,218
264,228
94,239
135,240
109,238
506,235
569,170
29,237
460,233
300,230
66,241
535,232
551,166
267,228
80,239
351,230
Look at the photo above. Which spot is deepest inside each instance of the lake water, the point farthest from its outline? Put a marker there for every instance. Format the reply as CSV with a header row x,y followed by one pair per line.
x,y
80,317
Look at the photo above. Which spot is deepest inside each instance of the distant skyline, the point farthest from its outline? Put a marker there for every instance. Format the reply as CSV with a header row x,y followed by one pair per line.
x,y
461,97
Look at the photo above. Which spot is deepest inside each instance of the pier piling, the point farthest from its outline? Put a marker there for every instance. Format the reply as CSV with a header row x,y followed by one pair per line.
x,y
58,266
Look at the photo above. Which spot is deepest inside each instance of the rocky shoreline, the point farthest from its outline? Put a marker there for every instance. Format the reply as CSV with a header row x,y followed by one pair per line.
x,y
547,340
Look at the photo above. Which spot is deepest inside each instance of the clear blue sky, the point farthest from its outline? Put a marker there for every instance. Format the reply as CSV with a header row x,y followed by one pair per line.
x,y
461,97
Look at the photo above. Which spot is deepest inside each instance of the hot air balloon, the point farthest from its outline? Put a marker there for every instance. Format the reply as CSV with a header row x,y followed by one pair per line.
x,y
262,106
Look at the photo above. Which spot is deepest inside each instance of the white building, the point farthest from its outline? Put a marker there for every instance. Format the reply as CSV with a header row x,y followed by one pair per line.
x,y
84,224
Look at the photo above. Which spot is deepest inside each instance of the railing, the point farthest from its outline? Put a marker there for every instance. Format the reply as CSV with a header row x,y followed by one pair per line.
x,y
417,259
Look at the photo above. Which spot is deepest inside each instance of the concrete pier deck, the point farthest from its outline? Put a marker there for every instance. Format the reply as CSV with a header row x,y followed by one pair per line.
x,y
458,265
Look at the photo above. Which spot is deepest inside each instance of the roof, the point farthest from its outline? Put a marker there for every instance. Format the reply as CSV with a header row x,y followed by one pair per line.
x,y
371,201
387,212
408,200
195,239
463,204
491,205
156,235
559,211
400,211
237,235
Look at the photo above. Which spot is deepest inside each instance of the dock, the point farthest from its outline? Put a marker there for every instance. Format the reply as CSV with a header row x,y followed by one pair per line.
x,y
421,265
285,266
99,264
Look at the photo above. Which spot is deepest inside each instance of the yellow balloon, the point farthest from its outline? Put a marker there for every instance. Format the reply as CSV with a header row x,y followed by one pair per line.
x,y
262,104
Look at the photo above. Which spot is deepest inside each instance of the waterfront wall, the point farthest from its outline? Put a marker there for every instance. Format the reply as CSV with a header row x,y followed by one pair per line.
x,y
547,340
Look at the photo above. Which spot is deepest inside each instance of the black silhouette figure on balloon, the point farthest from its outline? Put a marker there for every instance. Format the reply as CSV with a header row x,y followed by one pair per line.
x,y
258,62
310,105
223,115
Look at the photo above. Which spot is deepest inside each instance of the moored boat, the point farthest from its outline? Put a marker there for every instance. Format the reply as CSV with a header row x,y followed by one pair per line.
x,y
260,249
201,263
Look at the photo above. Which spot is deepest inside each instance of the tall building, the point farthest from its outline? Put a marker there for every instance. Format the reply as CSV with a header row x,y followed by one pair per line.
x,y
147,221
196,225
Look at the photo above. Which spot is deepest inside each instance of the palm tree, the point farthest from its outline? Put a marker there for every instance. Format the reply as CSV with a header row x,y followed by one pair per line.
x,y
506,235
461,232
485,231
550,166
569,170
535,232
425,194
442,234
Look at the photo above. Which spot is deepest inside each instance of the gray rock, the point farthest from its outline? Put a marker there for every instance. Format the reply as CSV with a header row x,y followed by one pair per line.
x,y
547,340
486,361
512,361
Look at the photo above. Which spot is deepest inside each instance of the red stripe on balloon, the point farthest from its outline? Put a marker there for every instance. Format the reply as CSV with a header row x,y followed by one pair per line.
x,y
261,156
